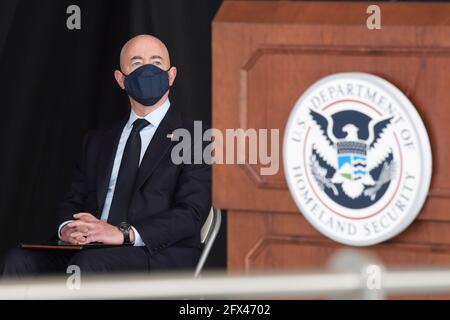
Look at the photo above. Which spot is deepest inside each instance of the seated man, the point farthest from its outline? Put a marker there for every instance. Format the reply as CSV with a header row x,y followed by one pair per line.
x,y
126,188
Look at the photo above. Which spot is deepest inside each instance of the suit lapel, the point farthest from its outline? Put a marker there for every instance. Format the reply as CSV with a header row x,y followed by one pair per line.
x,y
159,145
106,161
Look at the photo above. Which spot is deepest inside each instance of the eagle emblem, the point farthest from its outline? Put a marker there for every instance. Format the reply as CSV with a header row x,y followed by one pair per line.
x,y
357,158
352,164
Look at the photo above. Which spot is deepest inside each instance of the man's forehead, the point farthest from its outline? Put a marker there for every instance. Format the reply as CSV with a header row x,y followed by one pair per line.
x,y
144,48
144,51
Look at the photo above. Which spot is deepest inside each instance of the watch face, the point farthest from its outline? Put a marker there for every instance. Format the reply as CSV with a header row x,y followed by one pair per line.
x,y
124,226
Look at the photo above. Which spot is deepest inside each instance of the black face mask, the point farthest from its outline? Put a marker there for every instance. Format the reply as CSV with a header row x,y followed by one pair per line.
x,y
147,84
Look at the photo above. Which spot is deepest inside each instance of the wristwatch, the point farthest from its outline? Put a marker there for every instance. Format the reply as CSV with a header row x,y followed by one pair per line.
x,y
125,228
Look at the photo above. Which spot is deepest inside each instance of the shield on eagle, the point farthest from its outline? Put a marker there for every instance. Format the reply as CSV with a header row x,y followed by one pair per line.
x,y
352,159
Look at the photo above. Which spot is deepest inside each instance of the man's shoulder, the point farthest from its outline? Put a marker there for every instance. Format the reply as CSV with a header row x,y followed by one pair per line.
x,y
179,119
190,123
96,134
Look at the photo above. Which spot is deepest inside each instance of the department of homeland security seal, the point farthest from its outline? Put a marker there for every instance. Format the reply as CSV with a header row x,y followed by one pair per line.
x,y
357,158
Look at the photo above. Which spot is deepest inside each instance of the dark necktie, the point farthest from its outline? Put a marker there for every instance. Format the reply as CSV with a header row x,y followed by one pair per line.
x,y
127,175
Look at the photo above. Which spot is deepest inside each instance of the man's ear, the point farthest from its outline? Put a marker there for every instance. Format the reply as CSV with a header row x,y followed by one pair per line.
x,y
172,75
119,78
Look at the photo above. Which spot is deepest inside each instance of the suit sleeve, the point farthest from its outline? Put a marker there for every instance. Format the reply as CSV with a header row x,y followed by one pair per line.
x,y
190,207
74,200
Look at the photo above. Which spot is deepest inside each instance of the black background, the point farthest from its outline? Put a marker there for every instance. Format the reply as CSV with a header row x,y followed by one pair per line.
x,y
56,83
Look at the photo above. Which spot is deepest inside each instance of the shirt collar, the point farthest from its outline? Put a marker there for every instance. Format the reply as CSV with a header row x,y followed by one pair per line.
x,y
154,117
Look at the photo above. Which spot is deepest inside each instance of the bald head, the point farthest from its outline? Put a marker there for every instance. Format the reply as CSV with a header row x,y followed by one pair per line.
x,y
138,51
144,49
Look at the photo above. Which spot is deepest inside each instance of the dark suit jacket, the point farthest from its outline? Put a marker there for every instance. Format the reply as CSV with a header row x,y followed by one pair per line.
x,y
170,203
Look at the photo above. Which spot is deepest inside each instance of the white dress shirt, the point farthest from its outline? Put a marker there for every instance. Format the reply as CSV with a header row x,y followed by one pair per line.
x,y
154,118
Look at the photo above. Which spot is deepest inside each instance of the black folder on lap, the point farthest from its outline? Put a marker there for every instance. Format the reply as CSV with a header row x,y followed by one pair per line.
x,y
61,245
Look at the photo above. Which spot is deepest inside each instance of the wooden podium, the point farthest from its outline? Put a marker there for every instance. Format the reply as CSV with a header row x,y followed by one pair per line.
x,y
265,55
